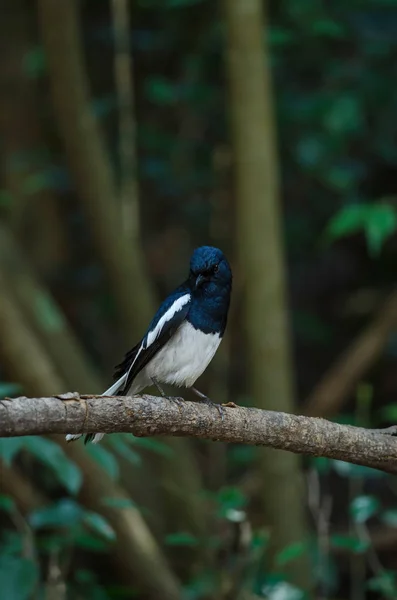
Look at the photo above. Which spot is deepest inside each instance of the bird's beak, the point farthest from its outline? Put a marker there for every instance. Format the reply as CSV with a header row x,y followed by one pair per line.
x,y
199,281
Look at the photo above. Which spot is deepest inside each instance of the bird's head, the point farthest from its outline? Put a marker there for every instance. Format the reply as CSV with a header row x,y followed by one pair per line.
x,y
209,269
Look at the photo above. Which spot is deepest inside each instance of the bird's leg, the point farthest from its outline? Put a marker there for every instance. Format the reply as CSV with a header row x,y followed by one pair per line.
x,y
158,386
160,389
208,401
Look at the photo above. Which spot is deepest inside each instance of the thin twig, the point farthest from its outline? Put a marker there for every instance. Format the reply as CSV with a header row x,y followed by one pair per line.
x,y
321,510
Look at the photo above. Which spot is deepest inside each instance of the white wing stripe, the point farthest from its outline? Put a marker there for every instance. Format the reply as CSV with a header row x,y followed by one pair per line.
x,y
116,386
151,337
171,312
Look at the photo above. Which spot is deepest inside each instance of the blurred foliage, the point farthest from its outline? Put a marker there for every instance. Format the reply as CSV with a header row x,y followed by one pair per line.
x,y
378,222
334,67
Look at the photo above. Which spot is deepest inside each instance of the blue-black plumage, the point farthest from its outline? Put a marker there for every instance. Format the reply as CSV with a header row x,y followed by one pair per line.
x,y
184,334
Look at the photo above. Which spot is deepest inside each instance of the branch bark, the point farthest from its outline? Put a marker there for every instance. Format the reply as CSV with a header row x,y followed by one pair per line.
x,y
152,415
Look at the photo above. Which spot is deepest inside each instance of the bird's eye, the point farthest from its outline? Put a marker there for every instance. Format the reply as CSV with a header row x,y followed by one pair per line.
x,y
216,268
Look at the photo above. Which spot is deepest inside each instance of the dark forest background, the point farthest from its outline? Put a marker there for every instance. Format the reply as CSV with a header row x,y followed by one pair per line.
x,y
130,133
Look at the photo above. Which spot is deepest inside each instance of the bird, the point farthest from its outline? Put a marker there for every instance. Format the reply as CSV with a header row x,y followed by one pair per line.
x,y
183,336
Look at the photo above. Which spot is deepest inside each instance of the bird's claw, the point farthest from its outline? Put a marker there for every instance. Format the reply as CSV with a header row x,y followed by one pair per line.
x,y
218,407
221,411
177,399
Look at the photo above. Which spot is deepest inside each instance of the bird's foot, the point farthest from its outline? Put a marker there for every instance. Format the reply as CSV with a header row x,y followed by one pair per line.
x,y
177,399
218,407
209,402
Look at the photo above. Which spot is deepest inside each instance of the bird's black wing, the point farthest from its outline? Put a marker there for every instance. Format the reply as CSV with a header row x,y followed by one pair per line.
x,y
166,321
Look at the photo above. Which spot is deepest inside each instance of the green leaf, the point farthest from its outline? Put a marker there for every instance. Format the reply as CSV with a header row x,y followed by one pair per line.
x,y
291,553
328,28
390,517
37,182
381,222
345,469
344,115
181,539
340,177
7,503
9,389
346,419
389,412
99,524
321,464
349,219
377,221
123,449
18,578
230,498
349,542
85,576
280,36
34,62
52,455
11,543
243,455
105,458
48,313
385,583
153,445
311,150
65,513
118,503
90,542
9,447
161,91
363,508
260,540
202,586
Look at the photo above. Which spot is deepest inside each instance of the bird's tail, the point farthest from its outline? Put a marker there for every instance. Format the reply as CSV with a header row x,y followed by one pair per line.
x,y
96,437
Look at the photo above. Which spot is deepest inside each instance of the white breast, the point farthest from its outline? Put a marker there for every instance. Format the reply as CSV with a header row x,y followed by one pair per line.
x,y
184,357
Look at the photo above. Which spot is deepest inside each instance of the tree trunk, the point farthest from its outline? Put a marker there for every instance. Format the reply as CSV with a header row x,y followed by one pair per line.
x,y
122,256
261,261
33,209
90,165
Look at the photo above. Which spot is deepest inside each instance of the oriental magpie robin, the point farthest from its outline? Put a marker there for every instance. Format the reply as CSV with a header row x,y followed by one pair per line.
x,y
183,336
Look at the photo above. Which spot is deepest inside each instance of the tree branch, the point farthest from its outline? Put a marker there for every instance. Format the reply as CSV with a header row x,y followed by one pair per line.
x,y
339,381
152,415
